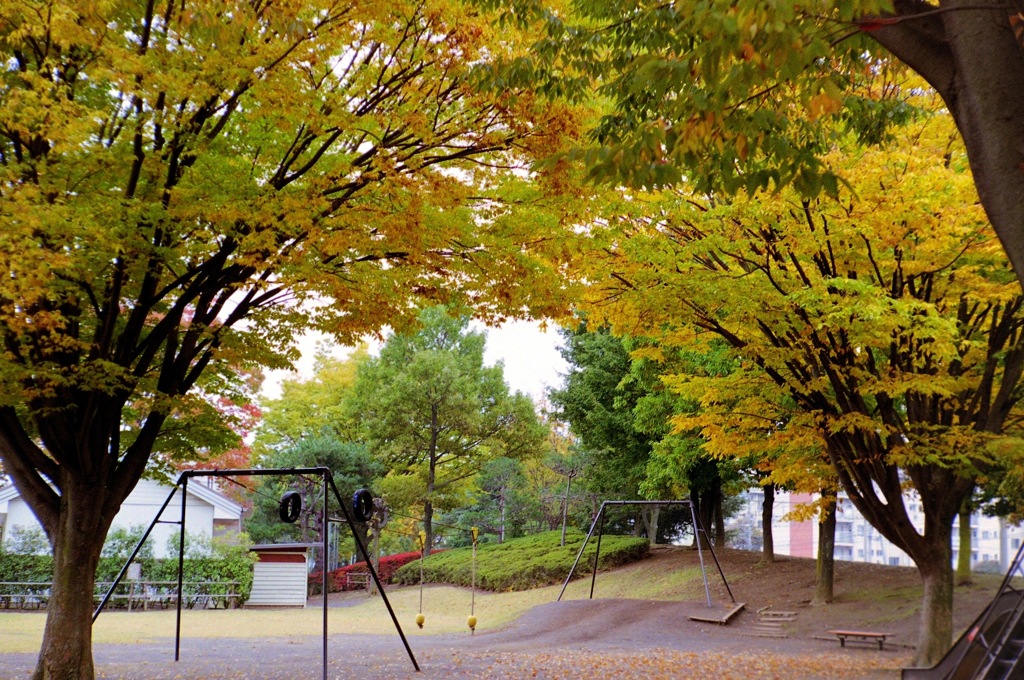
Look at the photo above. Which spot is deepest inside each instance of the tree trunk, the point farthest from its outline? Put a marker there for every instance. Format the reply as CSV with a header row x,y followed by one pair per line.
x,y
963,558
702,511
428,503
936,629
826,563
767,511
428,520
975,62
375,532
719,517
501,512
66,651
652,525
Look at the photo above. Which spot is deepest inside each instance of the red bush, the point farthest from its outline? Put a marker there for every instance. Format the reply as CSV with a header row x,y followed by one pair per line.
x,y
337,581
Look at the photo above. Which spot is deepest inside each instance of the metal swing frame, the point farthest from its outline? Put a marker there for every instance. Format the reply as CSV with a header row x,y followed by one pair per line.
x,y
598,524
327,481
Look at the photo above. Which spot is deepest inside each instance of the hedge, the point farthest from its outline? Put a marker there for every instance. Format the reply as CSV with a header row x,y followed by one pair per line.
x,y
236,566
524,563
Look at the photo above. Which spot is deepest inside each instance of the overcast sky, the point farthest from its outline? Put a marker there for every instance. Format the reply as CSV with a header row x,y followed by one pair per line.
x,y
531,358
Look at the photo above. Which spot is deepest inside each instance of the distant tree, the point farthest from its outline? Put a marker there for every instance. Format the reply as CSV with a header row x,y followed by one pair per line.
x,y
310,407
501,505
434,415
351,465
597,402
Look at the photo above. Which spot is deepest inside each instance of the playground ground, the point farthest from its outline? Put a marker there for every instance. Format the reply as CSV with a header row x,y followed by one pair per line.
x,y
580,639
612,637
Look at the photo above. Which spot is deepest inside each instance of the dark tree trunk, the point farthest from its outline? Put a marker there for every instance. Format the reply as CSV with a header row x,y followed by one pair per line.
x,y
719,517
703,509
975,62
66,652
428,503
826,563
767,511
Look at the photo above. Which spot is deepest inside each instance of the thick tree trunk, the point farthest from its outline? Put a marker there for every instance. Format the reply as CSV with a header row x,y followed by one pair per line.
x,y
767,511
936,630
826,564
974,60
66,651
963,558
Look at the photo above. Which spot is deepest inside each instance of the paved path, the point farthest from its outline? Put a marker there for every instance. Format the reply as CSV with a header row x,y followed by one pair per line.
x,y
579,639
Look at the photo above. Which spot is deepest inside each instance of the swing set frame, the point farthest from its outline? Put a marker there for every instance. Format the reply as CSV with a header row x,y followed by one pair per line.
x,y
327,483
598,524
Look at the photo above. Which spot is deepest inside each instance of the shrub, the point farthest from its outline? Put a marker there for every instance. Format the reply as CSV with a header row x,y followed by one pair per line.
x,y
18,567
386,568
237,566
524,563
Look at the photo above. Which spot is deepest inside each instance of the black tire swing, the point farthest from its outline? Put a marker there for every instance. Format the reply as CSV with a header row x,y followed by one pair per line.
x,y
362,505
290,507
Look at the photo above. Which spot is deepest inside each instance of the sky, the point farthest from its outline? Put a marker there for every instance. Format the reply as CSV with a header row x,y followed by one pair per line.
x,y
529,353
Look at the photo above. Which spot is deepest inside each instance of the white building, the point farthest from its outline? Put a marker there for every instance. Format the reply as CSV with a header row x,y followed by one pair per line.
x,y
208,513
994,542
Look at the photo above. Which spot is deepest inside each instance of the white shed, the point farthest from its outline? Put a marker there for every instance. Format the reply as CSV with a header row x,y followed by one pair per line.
x,y
208,513
280,575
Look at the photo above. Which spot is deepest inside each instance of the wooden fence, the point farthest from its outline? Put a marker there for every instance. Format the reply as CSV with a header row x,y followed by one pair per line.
x,y
130,595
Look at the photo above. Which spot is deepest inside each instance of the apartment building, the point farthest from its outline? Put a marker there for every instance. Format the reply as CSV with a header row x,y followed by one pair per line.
x,y
994,541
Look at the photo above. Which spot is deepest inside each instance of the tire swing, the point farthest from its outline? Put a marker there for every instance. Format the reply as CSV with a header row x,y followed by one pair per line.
x,y
471,621
290,507
422,539
362,505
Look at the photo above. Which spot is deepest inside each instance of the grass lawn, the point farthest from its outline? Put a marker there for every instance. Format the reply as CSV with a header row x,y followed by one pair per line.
x,y
445,607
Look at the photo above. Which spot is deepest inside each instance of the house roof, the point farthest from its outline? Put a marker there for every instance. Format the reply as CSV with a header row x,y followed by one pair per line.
x,y
223,507
283,547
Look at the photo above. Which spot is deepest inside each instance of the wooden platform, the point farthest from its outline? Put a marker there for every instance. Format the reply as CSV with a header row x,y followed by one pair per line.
x,y
719,616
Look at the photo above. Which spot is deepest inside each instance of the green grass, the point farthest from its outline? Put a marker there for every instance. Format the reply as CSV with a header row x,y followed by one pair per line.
x,y
445,608
523,563
508,568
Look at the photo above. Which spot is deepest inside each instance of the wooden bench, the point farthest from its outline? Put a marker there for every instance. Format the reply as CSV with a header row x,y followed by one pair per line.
x,y
860,636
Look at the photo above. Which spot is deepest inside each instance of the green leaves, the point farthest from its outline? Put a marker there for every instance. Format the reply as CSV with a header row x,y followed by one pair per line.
x,y
729,96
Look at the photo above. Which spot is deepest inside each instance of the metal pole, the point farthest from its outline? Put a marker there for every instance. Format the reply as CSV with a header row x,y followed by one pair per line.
x,y
323,566
597,554
700,553
373,572
593,525
181,567
135,553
